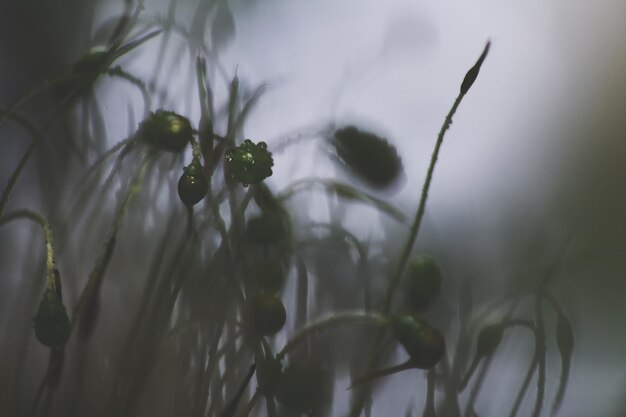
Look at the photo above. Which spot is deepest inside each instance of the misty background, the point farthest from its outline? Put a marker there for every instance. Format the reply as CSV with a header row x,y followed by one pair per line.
x,y
532,170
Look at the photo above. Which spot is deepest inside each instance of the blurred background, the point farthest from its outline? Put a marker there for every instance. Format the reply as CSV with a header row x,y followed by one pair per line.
x,y
531,174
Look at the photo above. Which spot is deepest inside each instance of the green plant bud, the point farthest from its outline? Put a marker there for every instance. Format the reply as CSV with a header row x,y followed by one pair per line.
x,y
489,339
166,130
370,157
51,323
192,185
266,229
249,163
423,283
266,314
472,74
424,344
305,387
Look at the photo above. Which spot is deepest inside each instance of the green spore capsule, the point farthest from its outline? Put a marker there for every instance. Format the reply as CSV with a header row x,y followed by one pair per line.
x,y
424,344
370,157
249,163
166,130
266,314
192,185
423,283
51,323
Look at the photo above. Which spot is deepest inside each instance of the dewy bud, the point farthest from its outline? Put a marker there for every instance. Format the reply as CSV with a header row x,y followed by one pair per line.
x,y
472,74
249,163
192,185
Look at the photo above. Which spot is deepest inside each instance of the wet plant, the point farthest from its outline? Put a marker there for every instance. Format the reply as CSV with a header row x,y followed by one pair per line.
x,y
231,277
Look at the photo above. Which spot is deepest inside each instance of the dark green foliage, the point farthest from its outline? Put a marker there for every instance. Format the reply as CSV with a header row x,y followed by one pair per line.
x,y
271,274
423,283
424,344
249,163
166,130
565,345
51,323
305,387
192,185
268,228
266,314
370,157
269,373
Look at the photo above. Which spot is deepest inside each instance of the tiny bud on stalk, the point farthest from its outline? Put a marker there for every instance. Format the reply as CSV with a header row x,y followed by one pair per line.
x,y
472,74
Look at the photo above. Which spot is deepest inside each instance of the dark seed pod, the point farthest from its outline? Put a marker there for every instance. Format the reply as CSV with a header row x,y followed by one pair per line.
x,y
370,157
423,283
249,163
192,185
51,323
489,339
266,314
305,387
424,344
166,130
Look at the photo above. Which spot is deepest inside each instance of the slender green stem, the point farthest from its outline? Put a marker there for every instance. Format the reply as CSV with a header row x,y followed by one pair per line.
x,y
322,324
41,220
541,356
419,214
96,276
4,200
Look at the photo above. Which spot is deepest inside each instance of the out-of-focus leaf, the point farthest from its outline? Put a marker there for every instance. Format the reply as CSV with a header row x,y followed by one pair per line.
x,y
201,19
565,345
223,29
231,407
370,157
346,192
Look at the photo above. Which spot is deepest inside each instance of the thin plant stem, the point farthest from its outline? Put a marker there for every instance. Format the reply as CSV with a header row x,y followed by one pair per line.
x,y
419,214
322,324
41,220
541,356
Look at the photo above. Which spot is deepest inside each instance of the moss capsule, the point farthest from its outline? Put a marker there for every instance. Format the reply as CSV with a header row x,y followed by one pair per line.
x,y
192,185
166,130
423,283
489,339
51,323
370,157
266,314
249,163
424,344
